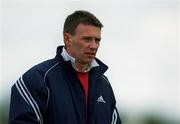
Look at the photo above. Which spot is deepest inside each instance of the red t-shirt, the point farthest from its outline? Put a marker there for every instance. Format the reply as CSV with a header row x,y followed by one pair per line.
x,y
84,78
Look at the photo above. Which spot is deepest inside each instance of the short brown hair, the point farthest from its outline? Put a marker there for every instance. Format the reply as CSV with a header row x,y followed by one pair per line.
x,y
80,17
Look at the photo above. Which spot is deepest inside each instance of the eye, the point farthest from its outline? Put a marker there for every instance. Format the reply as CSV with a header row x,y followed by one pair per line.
x,y
87,39
98,40
90,39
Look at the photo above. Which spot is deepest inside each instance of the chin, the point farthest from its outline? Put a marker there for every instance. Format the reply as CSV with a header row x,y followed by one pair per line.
x,y
89,61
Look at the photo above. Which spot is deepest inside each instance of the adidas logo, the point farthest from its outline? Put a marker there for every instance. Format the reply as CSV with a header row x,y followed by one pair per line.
x,y
101,99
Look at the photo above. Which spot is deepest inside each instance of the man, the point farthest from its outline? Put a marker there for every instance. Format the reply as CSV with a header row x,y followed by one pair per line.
x,y
71,88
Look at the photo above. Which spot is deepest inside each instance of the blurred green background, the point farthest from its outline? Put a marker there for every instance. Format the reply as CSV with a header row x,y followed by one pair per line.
x,y
143,117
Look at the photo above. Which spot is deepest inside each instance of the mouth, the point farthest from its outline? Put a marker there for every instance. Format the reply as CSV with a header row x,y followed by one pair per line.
x,y
90,54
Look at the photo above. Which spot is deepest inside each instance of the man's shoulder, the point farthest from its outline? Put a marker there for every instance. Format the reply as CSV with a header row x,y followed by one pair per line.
x,y
46,65
42,68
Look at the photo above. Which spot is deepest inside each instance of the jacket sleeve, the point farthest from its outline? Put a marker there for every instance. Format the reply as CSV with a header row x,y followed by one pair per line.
x,y
115,117
28,99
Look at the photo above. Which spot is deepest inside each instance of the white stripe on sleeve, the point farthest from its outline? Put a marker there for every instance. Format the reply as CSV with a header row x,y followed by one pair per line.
x,y
114,117
23,90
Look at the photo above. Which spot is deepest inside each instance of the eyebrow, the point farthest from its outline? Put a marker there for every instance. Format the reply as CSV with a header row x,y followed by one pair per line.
x,y
89,37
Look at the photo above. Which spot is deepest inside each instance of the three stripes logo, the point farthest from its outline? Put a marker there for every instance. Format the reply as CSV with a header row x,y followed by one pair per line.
x,y
101,99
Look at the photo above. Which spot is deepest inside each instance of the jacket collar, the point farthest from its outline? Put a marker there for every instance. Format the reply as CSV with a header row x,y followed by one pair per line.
x,y
96,65
67,57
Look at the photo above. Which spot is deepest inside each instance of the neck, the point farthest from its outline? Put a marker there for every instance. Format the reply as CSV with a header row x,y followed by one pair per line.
x,y
81,67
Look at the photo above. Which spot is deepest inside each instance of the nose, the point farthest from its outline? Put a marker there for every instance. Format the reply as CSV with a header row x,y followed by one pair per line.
x,y
94,44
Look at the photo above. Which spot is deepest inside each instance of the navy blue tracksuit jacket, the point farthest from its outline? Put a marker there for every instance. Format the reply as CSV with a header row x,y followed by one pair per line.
x,y
51,93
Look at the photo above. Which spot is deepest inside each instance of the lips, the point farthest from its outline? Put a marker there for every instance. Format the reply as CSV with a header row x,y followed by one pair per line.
x,y
90,53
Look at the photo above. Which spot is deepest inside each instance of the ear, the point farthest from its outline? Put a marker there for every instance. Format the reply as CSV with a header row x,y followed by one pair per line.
x,y
67,39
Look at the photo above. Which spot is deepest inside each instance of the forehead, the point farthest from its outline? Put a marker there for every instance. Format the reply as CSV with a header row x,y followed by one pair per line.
x,y
84,29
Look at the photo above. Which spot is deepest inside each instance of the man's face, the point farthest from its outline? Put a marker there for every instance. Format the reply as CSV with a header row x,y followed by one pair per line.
x,y
84,44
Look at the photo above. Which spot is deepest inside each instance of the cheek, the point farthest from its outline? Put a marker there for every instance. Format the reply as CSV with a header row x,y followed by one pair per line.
x,y
79,45
77,48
